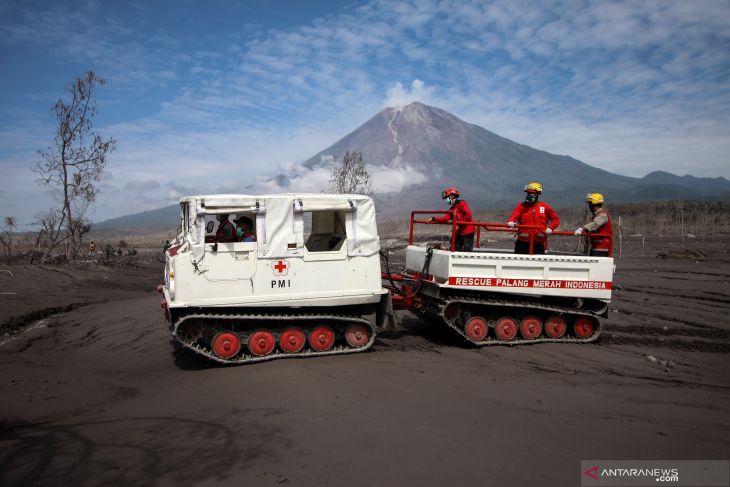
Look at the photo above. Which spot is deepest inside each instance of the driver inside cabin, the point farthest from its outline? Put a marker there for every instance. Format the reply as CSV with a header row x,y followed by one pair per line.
x,y
226,231
244,229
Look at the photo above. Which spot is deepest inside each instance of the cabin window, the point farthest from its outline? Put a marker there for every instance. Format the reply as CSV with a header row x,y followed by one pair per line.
x,y
212,225
324,231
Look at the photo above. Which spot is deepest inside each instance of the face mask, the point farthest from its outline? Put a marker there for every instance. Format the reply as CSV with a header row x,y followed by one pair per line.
x,y
531,197
239,232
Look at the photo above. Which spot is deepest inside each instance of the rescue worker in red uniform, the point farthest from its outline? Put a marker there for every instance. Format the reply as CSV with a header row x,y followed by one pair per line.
x,y
534,213
462,213
226,231
599,229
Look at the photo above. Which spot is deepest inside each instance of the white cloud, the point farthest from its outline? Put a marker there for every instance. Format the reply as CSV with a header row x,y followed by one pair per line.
x,y
296,179
394,179
400,96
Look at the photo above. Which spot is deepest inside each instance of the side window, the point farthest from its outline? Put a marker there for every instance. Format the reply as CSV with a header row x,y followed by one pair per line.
x,y
211,226
243,225
324,231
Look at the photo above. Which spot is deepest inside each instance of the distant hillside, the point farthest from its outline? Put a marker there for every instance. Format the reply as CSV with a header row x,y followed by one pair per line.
x,y
168,216
707,185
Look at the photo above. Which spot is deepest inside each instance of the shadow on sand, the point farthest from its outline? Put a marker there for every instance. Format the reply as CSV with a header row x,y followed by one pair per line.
x,y
135,451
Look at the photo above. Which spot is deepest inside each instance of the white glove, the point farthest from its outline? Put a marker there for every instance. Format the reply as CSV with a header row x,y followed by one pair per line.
x,y
548,230
579,231
511,224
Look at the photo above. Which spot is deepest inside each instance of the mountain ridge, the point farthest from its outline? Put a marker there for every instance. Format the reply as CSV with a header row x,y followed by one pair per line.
x,y
433,149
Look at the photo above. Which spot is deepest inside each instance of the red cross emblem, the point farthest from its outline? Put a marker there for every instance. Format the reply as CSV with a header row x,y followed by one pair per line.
x,y
281,267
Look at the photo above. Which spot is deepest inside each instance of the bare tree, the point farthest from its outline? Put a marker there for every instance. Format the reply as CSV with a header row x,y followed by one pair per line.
x,y
73,164
49,233
10,226
350,176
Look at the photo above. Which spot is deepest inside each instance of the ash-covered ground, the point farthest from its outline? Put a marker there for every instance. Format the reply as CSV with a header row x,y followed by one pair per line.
x,y
92,391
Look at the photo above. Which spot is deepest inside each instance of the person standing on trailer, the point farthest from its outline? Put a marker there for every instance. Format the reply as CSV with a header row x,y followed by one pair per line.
x,y
533,213
599,229
462,213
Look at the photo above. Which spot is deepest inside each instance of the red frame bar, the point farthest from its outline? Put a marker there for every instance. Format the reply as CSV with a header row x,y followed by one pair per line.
x,y
488,226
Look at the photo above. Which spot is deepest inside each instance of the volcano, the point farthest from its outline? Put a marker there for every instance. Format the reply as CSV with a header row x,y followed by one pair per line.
x,y
436,149
415,151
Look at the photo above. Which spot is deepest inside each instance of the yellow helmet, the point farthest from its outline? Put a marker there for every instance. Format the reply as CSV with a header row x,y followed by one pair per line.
x,y
533,187
594,198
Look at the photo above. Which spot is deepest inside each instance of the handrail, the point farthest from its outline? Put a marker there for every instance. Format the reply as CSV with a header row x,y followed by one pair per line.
x,y
491,227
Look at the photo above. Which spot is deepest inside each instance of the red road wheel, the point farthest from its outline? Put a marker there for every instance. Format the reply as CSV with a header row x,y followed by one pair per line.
x,y
292,340
226,344
530,327
583,327
321,338
555,326
476,328
506,329
261,343
357,335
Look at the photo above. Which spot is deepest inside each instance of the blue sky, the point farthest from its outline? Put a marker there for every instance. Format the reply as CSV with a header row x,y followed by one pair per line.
x,y
217,96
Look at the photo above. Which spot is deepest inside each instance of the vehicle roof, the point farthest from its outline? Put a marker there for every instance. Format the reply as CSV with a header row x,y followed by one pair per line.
x,y
277,216
286,196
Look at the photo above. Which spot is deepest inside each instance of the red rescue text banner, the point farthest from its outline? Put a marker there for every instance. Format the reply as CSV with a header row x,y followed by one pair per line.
x,y
535,283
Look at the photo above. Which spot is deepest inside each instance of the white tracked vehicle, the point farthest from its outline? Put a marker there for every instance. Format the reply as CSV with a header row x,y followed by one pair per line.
x,y
309,285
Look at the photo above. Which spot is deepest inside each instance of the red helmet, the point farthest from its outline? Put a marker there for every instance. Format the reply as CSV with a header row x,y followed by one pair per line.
x,y
448,192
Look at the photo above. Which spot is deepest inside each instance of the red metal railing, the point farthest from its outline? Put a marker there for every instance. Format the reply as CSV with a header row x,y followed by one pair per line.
x,y
490,227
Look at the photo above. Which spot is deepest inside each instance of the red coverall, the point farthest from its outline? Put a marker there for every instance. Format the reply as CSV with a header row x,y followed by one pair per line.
x,y
463,214
464,233
537,214
226,232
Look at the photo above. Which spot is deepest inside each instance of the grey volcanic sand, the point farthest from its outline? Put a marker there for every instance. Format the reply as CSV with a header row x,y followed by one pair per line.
x,y
96,394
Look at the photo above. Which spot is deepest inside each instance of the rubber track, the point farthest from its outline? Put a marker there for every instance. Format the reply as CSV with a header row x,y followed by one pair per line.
x,y
441,305
276,354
